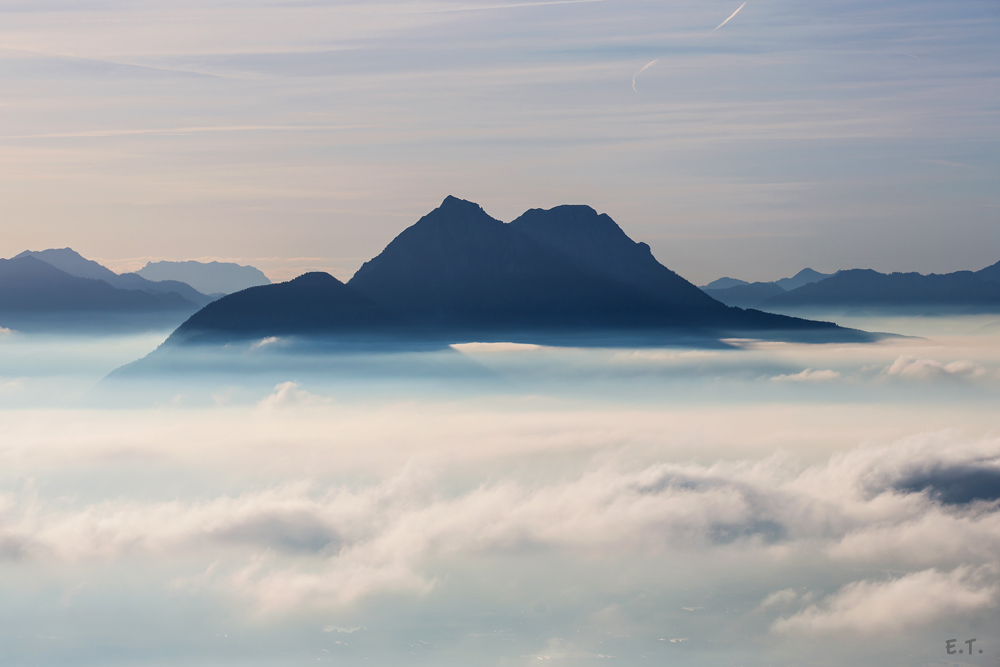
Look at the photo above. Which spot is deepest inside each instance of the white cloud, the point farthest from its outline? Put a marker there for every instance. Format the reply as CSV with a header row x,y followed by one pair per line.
x,y
278,591
337,628
486,348
360,540
908,366
270,340
781,598
877,607
402,487
288,394
808,375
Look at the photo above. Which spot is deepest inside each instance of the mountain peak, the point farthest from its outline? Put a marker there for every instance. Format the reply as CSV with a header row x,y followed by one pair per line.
x,y
596,241
73,263
454,221
67,254
560,267
725,283
803,277
452,203
315,279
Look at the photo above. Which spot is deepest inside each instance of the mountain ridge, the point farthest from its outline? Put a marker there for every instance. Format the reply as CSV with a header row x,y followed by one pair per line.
x,y
208,277
458,274
959,290
73,263
743,294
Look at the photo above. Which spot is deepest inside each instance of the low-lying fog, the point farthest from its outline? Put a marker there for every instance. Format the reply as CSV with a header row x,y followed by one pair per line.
x,y
496,504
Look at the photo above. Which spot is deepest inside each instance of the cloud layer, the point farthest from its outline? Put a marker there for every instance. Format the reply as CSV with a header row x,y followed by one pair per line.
x,y
860,508
656,504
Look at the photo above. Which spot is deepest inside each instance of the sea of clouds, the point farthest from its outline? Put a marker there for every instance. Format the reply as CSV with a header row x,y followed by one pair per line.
x,y
759,503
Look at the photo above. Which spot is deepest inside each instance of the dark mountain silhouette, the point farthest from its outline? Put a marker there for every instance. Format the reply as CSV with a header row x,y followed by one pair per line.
x,y
458,274
458,267
990,273
32,291
207,277
71,262
959,291
803,277
558,270
313,303
725,283
596,242
137,282
740,293
745,296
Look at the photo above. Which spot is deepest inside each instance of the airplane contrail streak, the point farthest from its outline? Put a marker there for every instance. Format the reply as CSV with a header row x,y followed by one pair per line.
x,y
730,17
644,68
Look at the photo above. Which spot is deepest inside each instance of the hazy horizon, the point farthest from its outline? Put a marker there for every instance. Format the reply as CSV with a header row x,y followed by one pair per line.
x,y
284,269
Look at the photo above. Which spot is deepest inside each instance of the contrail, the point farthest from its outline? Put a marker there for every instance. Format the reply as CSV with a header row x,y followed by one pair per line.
x,y
644,68
730,17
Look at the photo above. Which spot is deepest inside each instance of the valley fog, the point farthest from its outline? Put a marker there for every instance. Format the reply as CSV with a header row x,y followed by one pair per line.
x,y
753,503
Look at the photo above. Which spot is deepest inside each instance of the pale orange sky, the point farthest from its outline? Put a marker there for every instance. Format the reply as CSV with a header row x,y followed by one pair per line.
x,y
792,136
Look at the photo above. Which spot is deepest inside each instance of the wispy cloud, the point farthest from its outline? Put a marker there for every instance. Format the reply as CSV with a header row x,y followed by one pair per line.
x,y
287,394
730,17
270,340
338,629
644,68
168,131
880,607
808,375
909,366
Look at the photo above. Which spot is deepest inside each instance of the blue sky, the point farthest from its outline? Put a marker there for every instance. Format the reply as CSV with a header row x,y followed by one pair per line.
x,y
300,135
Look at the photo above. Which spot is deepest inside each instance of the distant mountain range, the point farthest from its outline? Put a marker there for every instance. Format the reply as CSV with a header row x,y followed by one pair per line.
x,y
71,262
29,285
961,291
803,277
57,289
206,277
459,274
35,295
733,292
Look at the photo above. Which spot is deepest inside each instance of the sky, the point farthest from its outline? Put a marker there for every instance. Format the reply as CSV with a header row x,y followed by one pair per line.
x,y
298,136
